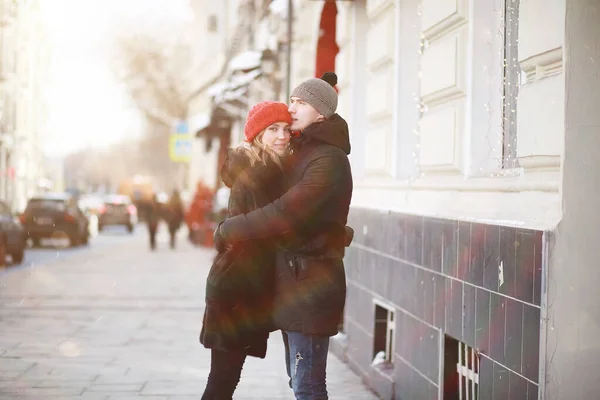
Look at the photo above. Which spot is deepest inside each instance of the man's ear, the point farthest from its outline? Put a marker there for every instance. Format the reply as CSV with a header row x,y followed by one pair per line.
x,y
321,118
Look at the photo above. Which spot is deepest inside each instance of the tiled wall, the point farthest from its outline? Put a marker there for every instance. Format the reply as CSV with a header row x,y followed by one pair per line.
x,y
443,277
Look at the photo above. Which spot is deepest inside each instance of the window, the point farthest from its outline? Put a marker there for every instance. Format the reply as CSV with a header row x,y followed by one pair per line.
x,y
511,75
461,371
383,338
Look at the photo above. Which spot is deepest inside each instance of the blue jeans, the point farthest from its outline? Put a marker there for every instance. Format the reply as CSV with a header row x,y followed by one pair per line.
x,y
306,362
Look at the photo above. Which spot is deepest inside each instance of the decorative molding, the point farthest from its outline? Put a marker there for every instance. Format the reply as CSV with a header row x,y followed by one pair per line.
x,y
377,150
376,8
441,139
440,27
540,163
380,42
449,55
543,65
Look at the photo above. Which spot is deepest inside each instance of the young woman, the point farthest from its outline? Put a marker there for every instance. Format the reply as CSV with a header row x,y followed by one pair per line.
x,y
240,284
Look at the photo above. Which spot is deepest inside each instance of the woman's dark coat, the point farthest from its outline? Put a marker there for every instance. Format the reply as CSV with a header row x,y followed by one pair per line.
x,y
240,284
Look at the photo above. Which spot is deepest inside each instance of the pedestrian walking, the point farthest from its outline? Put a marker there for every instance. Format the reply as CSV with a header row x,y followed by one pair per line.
x,y
152,211
174,216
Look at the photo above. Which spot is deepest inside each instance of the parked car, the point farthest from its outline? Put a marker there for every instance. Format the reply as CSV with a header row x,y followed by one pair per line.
x,y
117,210
55,215
13,239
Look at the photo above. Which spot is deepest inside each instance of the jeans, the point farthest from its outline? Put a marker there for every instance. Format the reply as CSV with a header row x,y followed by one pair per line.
x,y
306,362
225,371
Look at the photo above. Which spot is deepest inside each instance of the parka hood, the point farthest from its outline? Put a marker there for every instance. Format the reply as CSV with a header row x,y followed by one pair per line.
x,y
333,131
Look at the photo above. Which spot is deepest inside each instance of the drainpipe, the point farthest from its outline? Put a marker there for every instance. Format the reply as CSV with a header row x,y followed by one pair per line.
x,y
289,50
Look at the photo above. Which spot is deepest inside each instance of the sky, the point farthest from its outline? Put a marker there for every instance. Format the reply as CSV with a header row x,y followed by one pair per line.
x,y
88,107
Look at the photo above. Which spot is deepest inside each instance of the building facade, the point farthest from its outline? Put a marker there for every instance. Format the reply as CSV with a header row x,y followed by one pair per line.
x,y
241,62
25,60
472,130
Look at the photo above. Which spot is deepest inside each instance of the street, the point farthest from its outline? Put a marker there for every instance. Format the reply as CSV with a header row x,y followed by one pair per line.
x,y
114,321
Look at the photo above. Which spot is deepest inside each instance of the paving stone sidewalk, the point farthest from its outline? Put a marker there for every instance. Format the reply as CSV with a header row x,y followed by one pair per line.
x,y
121,323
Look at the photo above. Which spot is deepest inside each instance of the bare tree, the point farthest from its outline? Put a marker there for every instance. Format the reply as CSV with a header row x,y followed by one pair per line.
x,y
156,73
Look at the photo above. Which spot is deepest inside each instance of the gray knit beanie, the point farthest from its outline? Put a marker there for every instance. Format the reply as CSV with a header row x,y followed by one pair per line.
x,y
319,93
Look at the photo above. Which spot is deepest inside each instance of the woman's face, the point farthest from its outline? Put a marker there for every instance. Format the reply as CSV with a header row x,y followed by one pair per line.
x,y
276,137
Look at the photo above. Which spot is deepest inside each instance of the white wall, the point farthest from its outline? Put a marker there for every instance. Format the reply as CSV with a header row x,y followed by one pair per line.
x,y
428,138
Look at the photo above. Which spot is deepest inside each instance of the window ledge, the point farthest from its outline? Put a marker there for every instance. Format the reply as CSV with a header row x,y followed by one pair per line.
x,y
543,182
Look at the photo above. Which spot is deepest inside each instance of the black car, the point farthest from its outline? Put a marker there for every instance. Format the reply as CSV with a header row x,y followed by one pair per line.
x,y
55,215
117,210
13,239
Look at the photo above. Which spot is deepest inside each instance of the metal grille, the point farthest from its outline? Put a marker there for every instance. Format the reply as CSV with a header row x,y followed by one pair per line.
x,y
468,372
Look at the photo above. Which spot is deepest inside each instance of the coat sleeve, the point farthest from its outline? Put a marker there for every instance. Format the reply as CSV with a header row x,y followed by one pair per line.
x,y
238,201
295,207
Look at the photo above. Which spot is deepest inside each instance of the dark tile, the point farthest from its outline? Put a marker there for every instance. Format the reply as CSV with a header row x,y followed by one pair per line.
x,y
354,221
517,387
402,380
421,352
395,240
382,275
419,306
486,379
433,392
469,312
439,307
482,320
428,296
433,243
366,269
525,265
537,272
379,230
361,354
406,286
404,343
497,327
532,391
351,296
370,227
414,239
491,257
464,251
508,240
501,382
454,308
450,248
420,387
367,310
397,282
531,342
350,263
431,353
514,334
477,254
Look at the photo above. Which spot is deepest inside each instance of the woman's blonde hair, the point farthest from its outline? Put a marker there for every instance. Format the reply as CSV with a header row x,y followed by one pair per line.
x,y
257,151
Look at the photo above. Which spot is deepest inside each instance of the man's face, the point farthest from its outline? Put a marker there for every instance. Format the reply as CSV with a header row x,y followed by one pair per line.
x,y
303,114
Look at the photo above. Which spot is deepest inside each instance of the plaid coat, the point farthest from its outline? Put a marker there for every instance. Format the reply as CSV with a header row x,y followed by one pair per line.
x,y
309,220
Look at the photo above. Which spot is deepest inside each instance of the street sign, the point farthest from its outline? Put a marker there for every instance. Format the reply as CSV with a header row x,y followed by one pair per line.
x,y
180,144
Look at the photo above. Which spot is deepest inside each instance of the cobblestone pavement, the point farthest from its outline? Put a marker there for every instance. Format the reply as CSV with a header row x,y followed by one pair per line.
x,y
118,322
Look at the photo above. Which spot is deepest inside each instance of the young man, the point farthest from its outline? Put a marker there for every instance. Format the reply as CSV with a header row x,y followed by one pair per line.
x,y
308,222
